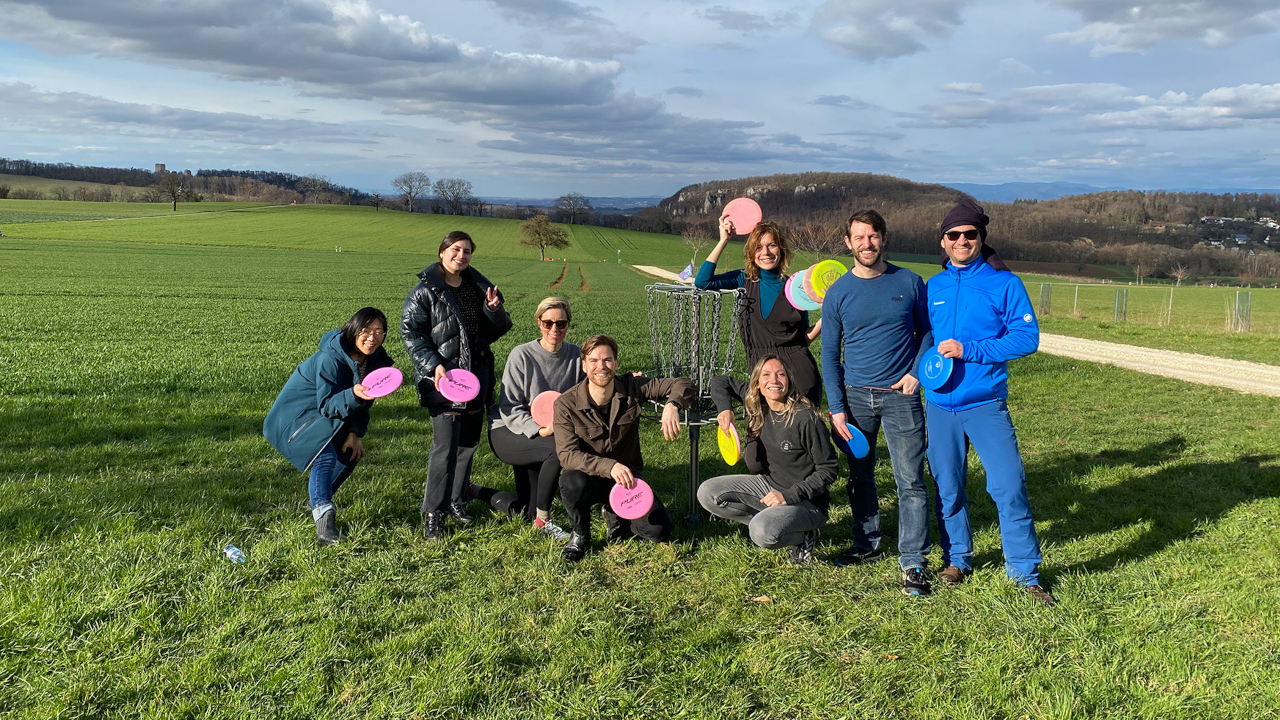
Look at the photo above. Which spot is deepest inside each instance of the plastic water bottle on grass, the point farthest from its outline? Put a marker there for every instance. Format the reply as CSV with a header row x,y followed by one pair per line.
x,y
234,554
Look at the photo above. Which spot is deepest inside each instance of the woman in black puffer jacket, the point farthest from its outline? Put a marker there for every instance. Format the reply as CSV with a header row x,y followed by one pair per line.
x,y
449,320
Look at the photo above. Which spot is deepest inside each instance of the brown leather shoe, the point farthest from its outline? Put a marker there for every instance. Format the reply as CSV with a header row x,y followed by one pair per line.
x,y
1040,595
952,575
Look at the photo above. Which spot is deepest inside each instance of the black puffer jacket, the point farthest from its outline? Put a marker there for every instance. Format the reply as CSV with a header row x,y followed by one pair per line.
x,y
431,327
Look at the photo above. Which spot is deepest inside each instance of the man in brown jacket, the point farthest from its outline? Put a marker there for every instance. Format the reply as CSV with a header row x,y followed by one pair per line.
x,y
597,431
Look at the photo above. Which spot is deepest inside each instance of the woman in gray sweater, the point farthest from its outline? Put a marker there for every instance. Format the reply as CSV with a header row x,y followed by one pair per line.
x,y
548,363
789,450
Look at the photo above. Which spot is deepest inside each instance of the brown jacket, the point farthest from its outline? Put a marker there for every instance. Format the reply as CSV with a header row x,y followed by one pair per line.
x,y
584,443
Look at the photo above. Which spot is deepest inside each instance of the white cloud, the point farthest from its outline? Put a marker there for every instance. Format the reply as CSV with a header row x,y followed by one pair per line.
x,y
1220,108
25,109
1138,25
1014,66
587,33
879,29
964,88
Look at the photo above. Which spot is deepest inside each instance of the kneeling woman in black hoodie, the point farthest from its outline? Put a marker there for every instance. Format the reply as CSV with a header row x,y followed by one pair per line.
x,y
789,449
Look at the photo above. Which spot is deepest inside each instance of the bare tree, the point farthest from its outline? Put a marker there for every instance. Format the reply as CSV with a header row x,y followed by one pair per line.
x,y
695,241
411,186
313,188
376,201
540,233
1179,273
454,194
574,206
173,188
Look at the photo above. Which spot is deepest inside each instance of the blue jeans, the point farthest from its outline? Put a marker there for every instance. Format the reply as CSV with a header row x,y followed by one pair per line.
x,y
991,432
903,419
328,472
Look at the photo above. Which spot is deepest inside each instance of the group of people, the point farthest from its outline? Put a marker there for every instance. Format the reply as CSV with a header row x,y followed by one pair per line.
x,y
879,321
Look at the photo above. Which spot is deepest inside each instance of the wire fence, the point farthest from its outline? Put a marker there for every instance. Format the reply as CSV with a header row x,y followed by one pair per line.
x,y
1254,310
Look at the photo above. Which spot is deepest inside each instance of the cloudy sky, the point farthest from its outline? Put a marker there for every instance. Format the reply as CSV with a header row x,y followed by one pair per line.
x,y
544,97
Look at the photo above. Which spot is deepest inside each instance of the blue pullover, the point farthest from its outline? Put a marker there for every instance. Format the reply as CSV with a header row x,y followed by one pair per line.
x,y
989,313
770,285
874,331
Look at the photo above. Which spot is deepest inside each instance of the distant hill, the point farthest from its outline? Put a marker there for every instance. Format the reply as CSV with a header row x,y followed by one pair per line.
x,y
602,204
1010,191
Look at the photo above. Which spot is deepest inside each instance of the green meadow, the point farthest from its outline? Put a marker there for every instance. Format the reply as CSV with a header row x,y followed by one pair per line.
x,y
138,358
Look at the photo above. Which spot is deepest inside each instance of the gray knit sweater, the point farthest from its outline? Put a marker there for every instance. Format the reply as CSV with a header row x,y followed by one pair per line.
x,y
531,370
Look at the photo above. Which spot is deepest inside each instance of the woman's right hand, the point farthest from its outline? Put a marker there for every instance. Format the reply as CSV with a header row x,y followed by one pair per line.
x,y
440,371
726,228
361,392
725,421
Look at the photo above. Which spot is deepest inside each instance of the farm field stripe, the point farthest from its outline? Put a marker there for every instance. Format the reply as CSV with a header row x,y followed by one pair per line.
x,y
1235,374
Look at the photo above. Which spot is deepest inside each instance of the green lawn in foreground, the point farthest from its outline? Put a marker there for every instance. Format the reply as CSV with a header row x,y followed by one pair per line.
x,y
136,378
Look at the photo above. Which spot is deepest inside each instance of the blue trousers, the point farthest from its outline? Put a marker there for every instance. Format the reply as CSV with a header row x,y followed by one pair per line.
x,y
328,472
902,418
990,431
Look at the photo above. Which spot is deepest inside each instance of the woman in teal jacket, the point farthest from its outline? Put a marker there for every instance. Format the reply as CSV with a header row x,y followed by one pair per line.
x,y
319,417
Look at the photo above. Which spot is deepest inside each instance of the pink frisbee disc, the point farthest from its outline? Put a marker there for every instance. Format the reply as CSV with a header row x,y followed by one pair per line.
x,y
744,213
459,385
382,382
543,408
633,503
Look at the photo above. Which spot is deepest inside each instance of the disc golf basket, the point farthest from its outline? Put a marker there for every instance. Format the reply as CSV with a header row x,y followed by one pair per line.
x,y
694,334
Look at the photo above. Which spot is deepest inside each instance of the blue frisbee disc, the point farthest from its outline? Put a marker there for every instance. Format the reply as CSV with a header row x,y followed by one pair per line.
x,y
934,370
857,445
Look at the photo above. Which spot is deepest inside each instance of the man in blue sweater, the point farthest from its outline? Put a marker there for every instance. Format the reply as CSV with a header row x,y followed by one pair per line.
x,y
875,327
987,320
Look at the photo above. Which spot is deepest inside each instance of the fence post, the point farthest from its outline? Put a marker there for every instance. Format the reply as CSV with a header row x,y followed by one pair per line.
x,y
1046,296
1075,304
1241,323
1122,304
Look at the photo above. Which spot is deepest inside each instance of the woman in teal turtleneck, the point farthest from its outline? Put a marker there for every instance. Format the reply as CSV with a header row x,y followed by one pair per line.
x,y
769,323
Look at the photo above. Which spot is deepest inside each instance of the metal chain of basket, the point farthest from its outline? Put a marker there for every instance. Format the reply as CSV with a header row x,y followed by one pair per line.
x,y
691,335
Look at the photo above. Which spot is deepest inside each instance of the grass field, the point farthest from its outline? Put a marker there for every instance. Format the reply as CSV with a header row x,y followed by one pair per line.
x,y
136,377
13,212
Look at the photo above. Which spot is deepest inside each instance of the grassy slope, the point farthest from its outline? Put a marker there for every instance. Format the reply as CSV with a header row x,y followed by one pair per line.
x,y
56,211
136,379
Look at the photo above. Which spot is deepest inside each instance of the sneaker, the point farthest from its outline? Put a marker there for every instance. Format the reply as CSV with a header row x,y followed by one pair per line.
x,y
576,548
855,555
915,583
433,526
1040,595
802,554
953,575
615,529
547,527
327,528
458,511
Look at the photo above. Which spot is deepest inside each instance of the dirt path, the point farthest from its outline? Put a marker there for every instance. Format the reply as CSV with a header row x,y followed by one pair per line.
x,y
1235,374
660,273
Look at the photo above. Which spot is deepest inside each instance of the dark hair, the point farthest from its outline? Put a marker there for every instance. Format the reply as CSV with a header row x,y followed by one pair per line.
x,y
453,237
363,318
596,341
870,217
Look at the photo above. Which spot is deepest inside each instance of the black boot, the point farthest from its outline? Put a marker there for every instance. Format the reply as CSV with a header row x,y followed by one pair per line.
x,y
616,529
433,526
458,511
327,528
576,548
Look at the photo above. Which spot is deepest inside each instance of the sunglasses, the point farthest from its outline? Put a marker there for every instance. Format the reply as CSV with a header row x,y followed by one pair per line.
x,y
557,324
954,235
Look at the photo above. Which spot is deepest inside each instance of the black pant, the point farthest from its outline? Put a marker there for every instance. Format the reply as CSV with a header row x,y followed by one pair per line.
x,y
580,491
454,438
537,469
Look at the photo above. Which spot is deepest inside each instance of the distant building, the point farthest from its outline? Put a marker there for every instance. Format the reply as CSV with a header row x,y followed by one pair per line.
x,y
160,168
1242,239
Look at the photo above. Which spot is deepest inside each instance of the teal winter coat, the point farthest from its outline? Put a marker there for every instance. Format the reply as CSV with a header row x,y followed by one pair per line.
x,y
317,402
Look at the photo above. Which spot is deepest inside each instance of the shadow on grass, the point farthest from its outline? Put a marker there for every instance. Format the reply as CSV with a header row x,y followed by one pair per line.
x,y
1169,500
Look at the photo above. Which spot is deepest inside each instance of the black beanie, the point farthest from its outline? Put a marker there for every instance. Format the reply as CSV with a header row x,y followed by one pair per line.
x,y
967,212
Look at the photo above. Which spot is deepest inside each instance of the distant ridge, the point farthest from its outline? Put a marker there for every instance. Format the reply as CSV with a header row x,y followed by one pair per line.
x,y
1011,191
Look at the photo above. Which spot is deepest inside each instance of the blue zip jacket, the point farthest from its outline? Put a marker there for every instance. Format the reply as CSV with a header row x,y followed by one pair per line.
x,y
317,401
988,311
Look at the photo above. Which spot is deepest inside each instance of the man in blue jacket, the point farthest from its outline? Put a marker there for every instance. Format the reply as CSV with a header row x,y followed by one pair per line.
x,y
875,326
986,317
